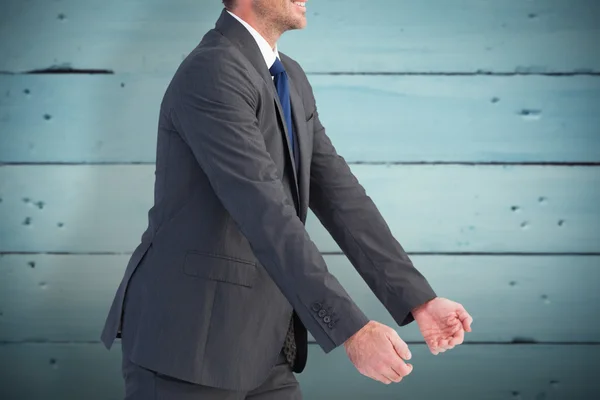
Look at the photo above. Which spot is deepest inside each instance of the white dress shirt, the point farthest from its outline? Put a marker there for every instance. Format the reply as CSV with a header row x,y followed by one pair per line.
x,y
268,53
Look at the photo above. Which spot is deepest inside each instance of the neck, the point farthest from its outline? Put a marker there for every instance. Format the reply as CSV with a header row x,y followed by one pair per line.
x,y
267,30
270,34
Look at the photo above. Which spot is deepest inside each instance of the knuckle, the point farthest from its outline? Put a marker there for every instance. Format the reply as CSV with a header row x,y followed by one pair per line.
x,y
380,369
402,369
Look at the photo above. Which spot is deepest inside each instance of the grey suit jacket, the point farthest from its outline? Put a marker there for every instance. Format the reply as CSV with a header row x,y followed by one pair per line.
x,y
225,261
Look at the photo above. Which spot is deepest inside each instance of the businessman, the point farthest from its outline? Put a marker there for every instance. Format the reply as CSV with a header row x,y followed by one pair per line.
x,y
217,299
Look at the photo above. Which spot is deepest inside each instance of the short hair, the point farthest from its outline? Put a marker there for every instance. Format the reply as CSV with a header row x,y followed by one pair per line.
x,y
229,4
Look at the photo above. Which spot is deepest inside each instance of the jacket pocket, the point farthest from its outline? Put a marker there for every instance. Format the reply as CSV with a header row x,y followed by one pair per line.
x,y
220,267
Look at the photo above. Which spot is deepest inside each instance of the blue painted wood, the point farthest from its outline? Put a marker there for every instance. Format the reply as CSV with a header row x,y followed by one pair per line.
x,y
56,299
489,372
429,208
375,36
492,372
72,118
66,297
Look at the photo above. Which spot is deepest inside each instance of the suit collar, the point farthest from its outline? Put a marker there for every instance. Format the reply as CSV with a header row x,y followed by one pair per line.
x,y
267,52
237,34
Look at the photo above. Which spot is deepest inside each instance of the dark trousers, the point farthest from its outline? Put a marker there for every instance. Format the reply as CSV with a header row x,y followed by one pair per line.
x,y
144,384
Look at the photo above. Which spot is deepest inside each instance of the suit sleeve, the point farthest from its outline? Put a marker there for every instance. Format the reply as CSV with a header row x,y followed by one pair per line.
x,y
215,112
350,216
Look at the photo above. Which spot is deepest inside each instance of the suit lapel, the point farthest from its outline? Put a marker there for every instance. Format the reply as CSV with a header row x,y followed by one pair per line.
x,y
302,136
283,126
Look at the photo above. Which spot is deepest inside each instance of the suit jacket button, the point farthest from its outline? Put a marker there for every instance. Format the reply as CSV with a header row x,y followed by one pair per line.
x,y
322,313
327,319
331,325
316,306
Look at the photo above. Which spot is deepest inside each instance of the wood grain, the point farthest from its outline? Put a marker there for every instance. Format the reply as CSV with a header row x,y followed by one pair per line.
x,y
465,36
518,119
429,208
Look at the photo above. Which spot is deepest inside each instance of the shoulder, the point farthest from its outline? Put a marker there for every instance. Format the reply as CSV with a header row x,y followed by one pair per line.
x,y
215,72
215,67
214,57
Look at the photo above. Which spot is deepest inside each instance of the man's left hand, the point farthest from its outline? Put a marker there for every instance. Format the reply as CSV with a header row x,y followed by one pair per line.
x,y
442,323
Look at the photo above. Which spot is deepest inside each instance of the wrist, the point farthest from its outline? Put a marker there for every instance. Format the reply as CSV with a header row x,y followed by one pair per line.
x,y
420,308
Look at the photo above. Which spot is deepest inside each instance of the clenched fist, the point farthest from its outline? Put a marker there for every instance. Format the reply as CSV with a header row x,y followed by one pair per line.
x,y
442,323
377,351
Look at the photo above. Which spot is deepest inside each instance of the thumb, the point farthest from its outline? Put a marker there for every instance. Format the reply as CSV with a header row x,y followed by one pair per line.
x,y
400,346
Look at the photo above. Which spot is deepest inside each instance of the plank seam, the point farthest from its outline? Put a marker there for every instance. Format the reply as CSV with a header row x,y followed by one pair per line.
x,y
473,163
462,73
312,342
373,163
329,253
92,71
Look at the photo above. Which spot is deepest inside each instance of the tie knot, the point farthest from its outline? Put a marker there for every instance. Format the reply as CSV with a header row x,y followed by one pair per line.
x,y
276,68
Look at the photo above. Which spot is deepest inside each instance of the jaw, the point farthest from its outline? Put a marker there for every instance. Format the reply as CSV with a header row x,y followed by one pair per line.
x,y
278,16
298,14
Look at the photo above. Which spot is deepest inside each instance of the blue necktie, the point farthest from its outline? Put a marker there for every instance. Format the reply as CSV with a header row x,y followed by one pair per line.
x,y
280,79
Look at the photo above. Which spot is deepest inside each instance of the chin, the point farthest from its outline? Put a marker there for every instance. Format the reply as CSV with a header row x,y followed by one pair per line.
x,y
298,24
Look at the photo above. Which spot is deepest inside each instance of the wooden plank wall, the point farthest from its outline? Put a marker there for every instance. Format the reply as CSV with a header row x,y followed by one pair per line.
x,y
473,124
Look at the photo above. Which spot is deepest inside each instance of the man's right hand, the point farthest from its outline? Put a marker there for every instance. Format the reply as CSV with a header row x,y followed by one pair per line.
x,y
377,351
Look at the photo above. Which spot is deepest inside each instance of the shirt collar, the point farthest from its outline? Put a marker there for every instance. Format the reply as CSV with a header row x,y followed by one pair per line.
x,y
268,53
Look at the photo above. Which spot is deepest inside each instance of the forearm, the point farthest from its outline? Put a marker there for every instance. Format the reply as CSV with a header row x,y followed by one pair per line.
x,y
342,205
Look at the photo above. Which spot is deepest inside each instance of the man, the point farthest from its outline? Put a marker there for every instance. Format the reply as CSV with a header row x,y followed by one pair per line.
x,y
216,301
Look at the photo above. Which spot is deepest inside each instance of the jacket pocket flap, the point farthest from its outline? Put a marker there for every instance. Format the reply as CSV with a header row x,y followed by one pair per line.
x,y
220,267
